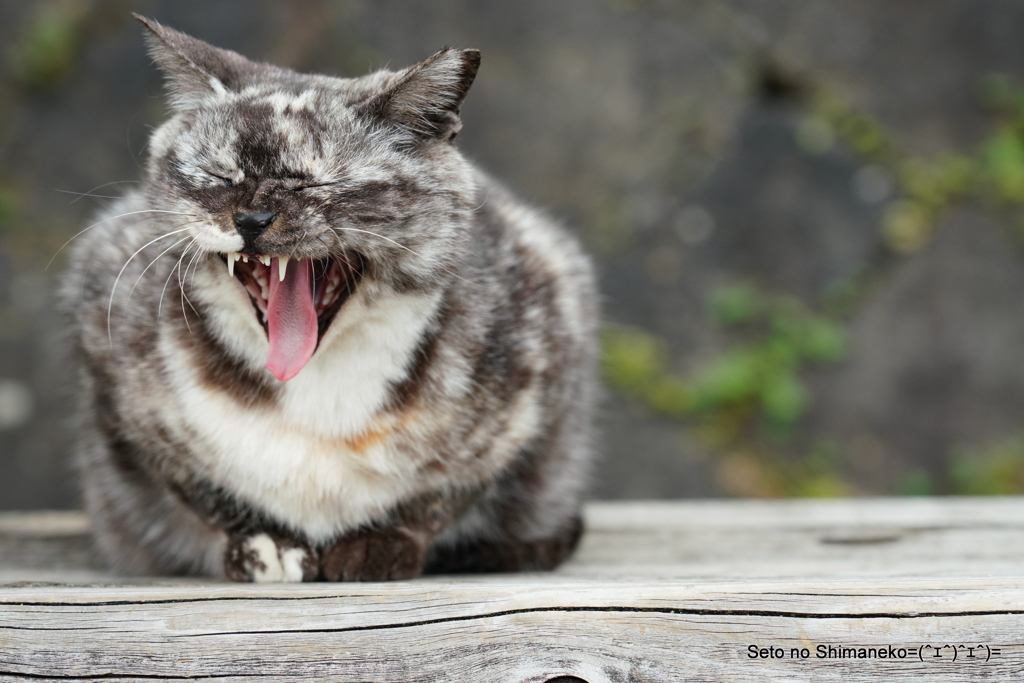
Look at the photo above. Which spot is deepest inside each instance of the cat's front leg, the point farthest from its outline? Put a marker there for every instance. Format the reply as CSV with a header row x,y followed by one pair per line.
x,y
395,549
266,558
376,555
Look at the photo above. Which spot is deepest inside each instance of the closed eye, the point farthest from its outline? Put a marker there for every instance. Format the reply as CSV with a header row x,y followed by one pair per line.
x,y
309,186
224,179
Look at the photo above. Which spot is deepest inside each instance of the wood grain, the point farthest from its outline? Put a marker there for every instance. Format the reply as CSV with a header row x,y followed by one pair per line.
x,y
658,592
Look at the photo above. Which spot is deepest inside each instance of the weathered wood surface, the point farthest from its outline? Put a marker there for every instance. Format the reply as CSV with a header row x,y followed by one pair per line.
x,y
657,592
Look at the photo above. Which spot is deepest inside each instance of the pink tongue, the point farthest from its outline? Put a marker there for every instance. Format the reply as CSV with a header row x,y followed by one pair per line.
x,y
291,319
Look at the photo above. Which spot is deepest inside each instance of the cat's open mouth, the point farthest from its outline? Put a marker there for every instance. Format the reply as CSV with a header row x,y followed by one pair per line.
x,y
295,300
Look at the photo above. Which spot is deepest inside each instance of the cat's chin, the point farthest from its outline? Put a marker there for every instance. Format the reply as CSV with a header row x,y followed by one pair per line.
x,y
333,280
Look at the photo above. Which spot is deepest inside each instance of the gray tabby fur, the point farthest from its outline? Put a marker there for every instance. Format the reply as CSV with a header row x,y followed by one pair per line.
x,y
444,422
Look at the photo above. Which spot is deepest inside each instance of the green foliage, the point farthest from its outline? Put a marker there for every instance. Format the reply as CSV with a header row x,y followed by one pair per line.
x,y
751,395
8,206
927,188
636,364
814,476
999,173
992,470
935,183
754,388
736,304
46,51
916,483
1004,162
757,379
761,375
858,130
632,360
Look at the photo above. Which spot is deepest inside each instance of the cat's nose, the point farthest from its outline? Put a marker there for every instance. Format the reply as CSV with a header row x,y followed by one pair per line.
x,y
251,225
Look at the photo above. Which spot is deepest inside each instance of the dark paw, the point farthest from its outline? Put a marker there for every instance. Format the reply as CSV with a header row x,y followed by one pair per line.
x,y
396,553
507,555
266,558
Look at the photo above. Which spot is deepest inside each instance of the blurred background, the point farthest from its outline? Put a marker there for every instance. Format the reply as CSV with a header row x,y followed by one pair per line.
x,y
808,216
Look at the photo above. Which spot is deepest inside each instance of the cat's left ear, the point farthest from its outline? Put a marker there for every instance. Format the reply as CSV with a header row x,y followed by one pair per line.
x,y
424,101
195,70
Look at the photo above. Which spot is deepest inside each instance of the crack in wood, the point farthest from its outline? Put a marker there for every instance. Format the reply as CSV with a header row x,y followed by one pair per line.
x,y
133,677
643,610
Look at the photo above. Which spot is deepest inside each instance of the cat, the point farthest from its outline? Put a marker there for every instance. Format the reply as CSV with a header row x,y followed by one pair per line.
x,y
317,344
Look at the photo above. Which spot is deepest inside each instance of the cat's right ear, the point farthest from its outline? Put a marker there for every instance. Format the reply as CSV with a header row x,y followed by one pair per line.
x,y
423,101
196,71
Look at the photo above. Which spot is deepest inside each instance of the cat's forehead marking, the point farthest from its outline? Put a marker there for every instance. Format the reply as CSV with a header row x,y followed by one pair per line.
x,y
279,102
285,103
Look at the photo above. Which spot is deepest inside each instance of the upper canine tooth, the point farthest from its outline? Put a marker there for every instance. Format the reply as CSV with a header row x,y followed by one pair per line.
x,y
282,264
232,257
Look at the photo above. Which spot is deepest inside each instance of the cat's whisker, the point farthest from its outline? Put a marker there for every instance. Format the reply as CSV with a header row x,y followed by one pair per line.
x,y
100,187
110,218
144,270
411,251
184,297
113,290
87,194
192,282
160,303
344,265
181,291
343,268
484,201
347,272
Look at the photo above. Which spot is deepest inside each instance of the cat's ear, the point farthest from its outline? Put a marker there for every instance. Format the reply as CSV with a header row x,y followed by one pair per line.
x,y
423,101
195,70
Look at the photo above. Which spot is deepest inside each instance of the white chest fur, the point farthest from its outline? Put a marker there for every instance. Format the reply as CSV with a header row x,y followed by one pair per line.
x,y
298,459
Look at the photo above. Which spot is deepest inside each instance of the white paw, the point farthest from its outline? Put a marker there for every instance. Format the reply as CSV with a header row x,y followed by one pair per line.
x,y
274,565
291,565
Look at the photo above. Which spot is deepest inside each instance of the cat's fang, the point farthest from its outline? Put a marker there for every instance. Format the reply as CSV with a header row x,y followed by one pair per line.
x,y
232,258
282,265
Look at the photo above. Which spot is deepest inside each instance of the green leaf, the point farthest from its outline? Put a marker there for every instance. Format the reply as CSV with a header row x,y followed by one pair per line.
x,y
730,378
632,360
1004,157
784,398
824,341
735,304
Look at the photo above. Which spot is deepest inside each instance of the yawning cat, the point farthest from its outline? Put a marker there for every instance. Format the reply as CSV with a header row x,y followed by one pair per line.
x,y
318,344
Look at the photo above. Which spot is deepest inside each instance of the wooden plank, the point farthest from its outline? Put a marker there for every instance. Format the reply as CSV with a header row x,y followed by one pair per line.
x,y
693,539
642,601
496,631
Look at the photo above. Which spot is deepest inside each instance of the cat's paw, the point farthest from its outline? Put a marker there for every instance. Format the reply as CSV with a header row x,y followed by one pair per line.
x,y
265,559
396,553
